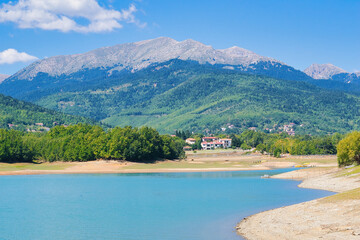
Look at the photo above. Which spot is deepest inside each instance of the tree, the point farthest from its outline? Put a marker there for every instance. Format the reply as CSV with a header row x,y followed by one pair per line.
x,y
277,153
348,149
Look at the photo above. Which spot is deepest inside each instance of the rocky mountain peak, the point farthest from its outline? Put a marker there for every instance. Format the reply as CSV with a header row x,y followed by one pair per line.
x,y
139,55
323,71
3,77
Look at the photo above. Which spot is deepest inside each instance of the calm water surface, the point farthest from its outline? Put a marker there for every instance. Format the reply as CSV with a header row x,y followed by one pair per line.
x,y
156,206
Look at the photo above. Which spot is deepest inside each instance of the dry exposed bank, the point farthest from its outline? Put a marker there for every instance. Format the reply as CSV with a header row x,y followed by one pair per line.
x,y
201,161
332,218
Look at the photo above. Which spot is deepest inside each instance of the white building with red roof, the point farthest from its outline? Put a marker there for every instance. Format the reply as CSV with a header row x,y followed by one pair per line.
x,y
226,142
211,145
190,141
210,139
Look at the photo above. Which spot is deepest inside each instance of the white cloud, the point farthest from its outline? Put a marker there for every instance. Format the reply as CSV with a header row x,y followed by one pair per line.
x,y
64,15
10,56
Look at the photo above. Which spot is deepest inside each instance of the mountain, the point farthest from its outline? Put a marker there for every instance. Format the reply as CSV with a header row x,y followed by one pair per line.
x,y
21,115
186,95
3,77
139,55
66,73
323,71
186,85
331,72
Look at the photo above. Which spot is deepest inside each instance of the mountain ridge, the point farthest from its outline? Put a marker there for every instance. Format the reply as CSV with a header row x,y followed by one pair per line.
x,y
323,71
139,55
331,72
172,85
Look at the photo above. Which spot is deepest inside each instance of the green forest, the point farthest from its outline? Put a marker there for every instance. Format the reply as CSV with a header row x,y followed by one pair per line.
x,y
21,114
84,142
179,95
276,144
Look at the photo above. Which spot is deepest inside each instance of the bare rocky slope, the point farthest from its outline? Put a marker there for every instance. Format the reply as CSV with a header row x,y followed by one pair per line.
x,y
139,55
3,77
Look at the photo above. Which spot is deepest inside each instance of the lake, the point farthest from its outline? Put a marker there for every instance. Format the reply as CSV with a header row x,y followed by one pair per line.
x,y
154,206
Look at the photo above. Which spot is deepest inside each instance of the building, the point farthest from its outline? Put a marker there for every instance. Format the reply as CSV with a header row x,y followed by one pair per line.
x,y
211,145
190,141
187,148
226,142
210,139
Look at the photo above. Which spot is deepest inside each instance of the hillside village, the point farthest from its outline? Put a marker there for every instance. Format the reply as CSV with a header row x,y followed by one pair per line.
x,y
287,128
36,127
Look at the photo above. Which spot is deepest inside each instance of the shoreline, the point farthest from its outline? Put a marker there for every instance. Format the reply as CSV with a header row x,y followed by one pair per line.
x,y
334,217
202,161
47,172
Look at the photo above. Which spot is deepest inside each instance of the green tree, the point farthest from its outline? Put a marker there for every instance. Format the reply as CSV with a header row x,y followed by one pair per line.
x,y
348,149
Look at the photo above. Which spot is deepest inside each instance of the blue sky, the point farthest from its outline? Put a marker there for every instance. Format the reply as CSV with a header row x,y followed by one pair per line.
x,y
297,32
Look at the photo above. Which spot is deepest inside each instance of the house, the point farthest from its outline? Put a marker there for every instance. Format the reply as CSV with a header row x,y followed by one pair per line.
x,y
187,148
39,124
46,129
211,145
210,139
226,142
207,145
252,128
291,133
190,141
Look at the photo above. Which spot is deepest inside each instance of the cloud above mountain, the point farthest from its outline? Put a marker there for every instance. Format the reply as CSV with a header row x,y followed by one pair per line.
x,y
67,15
11,56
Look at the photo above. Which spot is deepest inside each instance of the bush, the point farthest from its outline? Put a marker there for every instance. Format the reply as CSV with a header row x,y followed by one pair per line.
x,y
277,153
348,149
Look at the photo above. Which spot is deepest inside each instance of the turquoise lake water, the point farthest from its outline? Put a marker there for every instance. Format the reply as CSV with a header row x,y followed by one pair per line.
x,y
155,206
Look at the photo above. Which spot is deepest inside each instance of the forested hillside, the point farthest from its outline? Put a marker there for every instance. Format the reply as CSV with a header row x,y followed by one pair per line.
x,y
20,115
189,96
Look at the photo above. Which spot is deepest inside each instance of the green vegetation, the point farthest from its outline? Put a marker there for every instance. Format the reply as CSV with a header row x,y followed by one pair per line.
x,y
199,98
13,148
352,171
22,115
84,142
349,149
277,144
33,166
348,195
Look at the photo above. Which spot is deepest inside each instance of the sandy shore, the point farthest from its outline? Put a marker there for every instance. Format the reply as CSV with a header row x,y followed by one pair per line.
x,y
202,161
333,218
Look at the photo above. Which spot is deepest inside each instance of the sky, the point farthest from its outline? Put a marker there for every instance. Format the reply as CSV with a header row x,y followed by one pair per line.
x,y
297,32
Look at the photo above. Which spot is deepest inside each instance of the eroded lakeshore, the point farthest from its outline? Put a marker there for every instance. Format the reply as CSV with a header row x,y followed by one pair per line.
x,y
334,217
202,161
